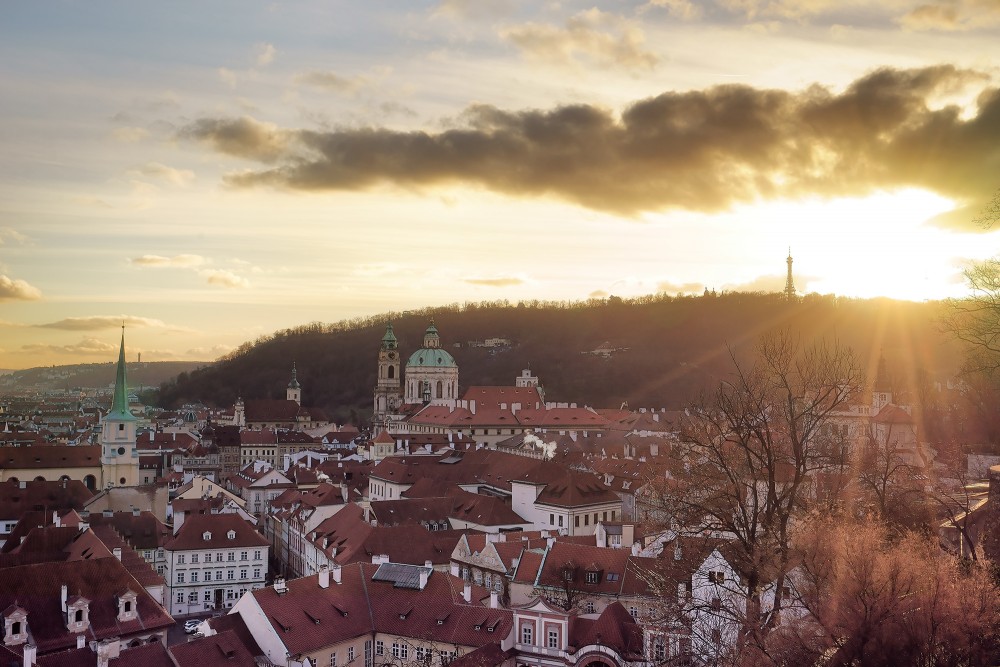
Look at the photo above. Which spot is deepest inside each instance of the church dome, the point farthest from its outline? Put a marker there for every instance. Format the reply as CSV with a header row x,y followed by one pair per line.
x,y
431,357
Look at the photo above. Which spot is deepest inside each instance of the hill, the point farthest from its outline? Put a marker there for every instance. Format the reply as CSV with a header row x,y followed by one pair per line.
x,y
141,375
666,349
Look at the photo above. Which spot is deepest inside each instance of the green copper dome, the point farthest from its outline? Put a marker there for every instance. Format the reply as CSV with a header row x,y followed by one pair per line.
x,y
431,358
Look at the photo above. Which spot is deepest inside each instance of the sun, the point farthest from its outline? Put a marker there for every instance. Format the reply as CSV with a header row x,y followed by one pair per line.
x,y
880,245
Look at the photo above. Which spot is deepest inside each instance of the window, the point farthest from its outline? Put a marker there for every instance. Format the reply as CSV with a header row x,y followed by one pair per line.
x,y
180,577
659,649
526,632
180,559
590,607
218,575
194,577
256,573
576,521
552,519
593,577
404,651
230,575
350,654
633,611
604,516
230,594
333,659
77,617
717,577
553,638
208,596
218,557
421,653
498,585
395,649
194,558
586,519
243,574
180,598
256,554
231,556
379,647
192,597
244,555
560,522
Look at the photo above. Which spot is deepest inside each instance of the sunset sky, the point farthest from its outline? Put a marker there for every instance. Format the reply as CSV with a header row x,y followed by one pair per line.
x,y
212,171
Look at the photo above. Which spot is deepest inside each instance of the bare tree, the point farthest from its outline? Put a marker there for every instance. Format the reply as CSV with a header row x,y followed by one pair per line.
x,y
870,600
751,451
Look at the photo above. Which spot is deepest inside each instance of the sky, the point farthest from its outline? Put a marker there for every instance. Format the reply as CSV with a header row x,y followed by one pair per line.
x,y
210,172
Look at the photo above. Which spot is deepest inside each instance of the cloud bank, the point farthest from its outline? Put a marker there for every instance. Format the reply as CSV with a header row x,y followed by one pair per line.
x,y
700,150
98,322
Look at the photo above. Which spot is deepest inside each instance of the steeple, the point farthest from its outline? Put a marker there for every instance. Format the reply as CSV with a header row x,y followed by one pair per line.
x,y
389,339
294,391
431,338
789,285
119,402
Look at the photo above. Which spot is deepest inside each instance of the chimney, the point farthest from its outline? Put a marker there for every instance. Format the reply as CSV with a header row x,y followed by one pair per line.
x,y
117,551
467,592
136,511
56,521
336,573
494,600
64,595
424,576
678,553
324,576
454,569
428,564
107,651
81,640
30,651
279,586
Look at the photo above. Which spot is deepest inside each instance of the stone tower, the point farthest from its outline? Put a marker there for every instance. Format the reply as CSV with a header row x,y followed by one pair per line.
x,y
294,391
388,392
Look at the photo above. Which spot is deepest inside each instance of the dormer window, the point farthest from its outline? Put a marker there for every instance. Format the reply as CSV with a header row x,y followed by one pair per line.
x,y
593,576
77,614
15,627
207,535
231,535
127,608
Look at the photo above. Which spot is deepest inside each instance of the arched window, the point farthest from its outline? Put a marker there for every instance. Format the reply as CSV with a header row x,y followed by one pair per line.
x,y
78,617
392,372
440,390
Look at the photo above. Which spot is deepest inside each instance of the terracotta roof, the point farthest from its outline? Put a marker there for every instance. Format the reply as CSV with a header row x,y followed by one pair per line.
x,y
307,617
36,588
614,628
494,396
221,649
234,623
58,456
56,495
192,533
461,505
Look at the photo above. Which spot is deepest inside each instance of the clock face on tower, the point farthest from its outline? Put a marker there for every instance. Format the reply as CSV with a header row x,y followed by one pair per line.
x,y
392,355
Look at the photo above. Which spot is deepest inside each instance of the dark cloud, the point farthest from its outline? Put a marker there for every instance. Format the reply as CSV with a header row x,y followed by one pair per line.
x,y
699,150
495,282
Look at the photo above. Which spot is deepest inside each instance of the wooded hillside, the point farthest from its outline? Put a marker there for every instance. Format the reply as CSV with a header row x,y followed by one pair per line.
x,y
668,348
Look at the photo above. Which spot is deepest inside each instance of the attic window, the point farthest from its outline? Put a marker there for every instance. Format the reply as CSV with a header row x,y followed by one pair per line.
x,y
207,535
231,535
593,577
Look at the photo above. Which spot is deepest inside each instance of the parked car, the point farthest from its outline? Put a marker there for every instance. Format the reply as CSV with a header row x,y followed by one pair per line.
x,y
191,626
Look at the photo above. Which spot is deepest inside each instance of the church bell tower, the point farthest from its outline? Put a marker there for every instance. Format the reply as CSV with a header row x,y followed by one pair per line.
x,y
388,393
119,456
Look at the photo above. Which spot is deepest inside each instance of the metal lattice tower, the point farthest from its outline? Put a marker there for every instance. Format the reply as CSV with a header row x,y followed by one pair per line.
x,y
789,284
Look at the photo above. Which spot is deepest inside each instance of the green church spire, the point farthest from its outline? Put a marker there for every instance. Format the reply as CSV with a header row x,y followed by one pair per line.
x,y
119,404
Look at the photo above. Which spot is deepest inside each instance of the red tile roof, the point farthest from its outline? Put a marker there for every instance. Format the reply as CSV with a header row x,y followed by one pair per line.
x,y
192,533
223,649
36,588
